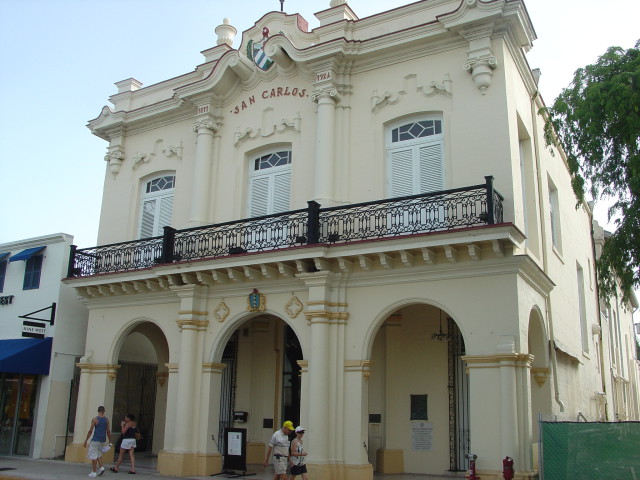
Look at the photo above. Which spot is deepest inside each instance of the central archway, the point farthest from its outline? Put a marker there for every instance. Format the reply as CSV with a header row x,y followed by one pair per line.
x,y
261,380
418,393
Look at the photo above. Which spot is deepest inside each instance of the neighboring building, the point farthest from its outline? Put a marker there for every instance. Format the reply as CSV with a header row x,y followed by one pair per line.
x,y
357,228
616,352
43,326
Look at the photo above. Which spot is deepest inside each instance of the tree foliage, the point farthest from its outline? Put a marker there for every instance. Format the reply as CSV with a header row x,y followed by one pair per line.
x,y
596,121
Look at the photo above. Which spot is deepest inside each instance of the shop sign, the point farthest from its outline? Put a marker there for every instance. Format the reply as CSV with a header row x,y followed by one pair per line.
x,y
6,300
33,329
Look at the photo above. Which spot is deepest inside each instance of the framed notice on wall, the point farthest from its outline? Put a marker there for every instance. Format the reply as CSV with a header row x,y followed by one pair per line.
x,y
235,450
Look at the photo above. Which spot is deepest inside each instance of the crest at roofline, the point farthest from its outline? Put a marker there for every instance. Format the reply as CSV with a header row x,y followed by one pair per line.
x,y
255,52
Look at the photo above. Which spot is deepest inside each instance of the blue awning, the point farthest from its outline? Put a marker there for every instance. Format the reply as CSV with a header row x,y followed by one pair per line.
x,y
26,254
25,355
4,255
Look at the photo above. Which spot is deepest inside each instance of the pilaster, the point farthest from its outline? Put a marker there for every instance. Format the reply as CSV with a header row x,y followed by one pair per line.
x,y
206,127
326,96
498,380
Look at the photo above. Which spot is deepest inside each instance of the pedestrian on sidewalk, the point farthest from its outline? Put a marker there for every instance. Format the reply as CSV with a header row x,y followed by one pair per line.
x,y
129,435
101,432
279,445
297,454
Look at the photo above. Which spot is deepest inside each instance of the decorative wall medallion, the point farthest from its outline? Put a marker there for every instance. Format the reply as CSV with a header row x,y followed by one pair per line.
x,y
256,53
256,301
293,307
221,312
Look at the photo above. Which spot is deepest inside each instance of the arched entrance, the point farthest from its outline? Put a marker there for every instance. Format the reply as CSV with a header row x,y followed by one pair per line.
x,y
540,371
261,382
418,393
140,387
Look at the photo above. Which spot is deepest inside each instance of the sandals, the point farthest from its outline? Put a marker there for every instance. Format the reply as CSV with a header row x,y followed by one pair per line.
x,y
113,470
130,472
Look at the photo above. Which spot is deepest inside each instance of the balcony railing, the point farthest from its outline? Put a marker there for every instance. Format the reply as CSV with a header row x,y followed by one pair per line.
x,y
464,207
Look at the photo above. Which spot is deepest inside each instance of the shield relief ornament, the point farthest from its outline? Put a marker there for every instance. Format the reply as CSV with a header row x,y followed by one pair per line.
x,y
257,302
256,53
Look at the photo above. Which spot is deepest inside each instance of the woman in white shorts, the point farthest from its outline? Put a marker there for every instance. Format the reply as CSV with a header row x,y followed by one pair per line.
x,y
129,431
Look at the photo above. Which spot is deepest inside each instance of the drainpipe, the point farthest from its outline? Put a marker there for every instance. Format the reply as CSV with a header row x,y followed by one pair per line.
x,y
552,343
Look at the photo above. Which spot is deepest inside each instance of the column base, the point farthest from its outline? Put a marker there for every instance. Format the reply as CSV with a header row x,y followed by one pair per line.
x,y
390,461
76,453
497,475
255,453
332,471
188,464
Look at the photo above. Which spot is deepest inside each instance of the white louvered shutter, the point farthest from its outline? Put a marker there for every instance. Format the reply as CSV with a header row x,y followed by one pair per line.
x,y
281,192
431,175
148,218
401,172
165,212
259,196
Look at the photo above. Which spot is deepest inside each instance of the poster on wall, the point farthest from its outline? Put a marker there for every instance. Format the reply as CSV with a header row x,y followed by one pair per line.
x,y
422,436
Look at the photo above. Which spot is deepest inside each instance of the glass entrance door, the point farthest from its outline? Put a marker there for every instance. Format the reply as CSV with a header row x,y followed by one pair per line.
x,y
17,404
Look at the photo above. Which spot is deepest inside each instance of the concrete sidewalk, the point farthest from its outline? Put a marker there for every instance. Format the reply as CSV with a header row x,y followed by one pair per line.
x,y
20,468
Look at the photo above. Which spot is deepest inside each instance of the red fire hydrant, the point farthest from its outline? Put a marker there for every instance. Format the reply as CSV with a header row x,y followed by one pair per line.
x,y
507,468
472,466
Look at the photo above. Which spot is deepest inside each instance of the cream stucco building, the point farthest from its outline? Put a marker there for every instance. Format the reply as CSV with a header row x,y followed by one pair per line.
x,y
357,228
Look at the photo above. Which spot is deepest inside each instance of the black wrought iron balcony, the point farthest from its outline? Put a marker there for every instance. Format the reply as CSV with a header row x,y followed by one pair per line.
x,y
464,207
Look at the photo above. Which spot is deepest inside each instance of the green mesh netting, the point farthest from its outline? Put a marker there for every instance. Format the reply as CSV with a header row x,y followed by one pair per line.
x,y
590,451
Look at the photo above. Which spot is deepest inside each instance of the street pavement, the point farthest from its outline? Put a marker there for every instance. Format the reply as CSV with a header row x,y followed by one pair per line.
x,y
21,468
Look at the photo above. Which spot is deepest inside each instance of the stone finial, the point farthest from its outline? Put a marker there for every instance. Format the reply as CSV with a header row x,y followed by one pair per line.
x,y
226,33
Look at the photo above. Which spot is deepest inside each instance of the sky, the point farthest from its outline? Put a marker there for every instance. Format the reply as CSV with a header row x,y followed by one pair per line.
x,y
59,60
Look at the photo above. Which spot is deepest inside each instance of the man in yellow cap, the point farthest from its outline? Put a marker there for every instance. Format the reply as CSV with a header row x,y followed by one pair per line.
x,y
279,445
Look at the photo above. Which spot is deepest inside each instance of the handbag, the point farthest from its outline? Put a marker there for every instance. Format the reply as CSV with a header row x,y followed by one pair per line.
x,y
137,435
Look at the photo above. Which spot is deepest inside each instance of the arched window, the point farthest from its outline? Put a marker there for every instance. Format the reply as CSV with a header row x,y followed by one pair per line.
x,y
157,205
415,157
270,183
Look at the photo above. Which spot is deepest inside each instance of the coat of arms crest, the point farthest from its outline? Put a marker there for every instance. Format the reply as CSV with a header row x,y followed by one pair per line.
x,y
256,53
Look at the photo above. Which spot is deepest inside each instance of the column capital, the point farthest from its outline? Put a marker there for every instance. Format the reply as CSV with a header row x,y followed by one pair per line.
x,y
99,368
522,360
361,366
329,93
212,367
114,157
205,125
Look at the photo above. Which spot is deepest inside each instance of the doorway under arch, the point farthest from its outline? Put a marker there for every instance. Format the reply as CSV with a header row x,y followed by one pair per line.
x,y
140,387
261,382
418,393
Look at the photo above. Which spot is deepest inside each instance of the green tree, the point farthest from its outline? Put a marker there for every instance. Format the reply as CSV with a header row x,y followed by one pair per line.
x,y
596,121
